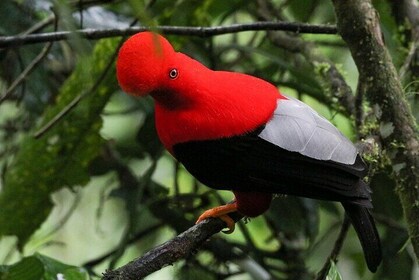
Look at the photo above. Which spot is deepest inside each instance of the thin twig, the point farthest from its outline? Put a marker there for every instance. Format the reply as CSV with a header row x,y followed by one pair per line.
x,y
31,66
77,99
336,249
80,7
329,77
40,25
92,263
92,34
88,3
389,222
60,115
26,72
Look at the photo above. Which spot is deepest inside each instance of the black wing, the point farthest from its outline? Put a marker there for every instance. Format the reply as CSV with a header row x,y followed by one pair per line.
x,y
249,163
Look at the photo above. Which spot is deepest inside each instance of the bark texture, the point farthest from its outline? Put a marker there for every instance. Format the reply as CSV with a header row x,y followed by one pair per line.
x,y
358,24
169,252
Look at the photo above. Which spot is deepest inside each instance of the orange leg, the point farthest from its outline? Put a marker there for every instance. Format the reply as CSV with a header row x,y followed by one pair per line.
x,y
221,212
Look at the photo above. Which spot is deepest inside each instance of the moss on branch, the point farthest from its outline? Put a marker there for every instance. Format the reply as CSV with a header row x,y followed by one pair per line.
x,y
358,24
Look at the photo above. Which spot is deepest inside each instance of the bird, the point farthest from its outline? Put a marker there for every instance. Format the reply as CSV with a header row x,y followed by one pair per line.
x,y
233,131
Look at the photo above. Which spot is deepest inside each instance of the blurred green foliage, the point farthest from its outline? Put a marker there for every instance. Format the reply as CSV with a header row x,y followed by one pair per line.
x,y
136,196
61,156
39,267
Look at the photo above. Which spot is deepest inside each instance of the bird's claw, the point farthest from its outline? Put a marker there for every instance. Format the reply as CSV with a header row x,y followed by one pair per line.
x,y
221,213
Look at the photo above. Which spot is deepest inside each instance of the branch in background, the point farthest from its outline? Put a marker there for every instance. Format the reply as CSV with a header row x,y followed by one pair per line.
x,y
50,124
40,25
408,11
35,62
89,3
78,98
180,247
166,254
92,34
359,26
333,257
22,77
333,80
92,263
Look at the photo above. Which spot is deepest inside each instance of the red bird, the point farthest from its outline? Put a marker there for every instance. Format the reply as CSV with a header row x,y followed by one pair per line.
x,y
237,132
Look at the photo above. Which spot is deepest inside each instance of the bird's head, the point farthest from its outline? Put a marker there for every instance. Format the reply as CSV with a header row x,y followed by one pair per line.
x,y
143,63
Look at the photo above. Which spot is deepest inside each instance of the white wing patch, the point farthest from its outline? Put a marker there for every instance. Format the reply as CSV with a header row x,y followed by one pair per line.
x,y
298,128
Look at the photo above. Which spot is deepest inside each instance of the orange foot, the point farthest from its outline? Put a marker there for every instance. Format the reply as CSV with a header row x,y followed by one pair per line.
x,y
221,212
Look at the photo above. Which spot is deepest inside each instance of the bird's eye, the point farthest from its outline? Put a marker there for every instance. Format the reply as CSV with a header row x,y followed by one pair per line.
x,y
173,74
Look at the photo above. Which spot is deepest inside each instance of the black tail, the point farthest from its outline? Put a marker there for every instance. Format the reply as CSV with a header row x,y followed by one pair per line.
x,y
367,233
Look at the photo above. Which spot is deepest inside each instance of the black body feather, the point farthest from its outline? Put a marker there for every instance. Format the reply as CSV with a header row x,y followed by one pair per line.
x,y
249,163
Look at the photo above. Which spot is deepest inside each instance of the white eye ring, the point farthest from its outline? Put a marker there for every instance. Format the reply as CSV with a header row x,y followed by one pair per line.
x,y
173,74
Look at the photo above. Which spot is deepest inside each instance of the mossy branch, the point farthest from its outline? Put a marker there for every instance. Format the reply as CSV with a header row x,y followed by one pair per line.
x,y
358,24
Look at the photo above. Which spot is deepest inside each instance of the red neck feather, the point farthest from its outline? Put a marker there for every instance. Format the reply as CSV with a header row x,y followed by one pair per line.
x,y
202,104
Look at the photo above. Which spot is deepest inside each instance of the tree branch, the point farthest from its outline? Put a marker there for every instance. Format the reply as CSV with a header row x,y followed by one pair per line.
x,y
25,73
359,26
22,77
406,13
180,247
70,106
336,250
166,254
91,263
92,34
331,79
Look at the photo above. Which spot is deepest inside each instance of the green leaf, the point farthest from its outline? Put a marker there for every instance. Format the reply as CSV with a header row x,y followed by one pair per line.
x,y
29,268
43,268
53,268
61,156
333,272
